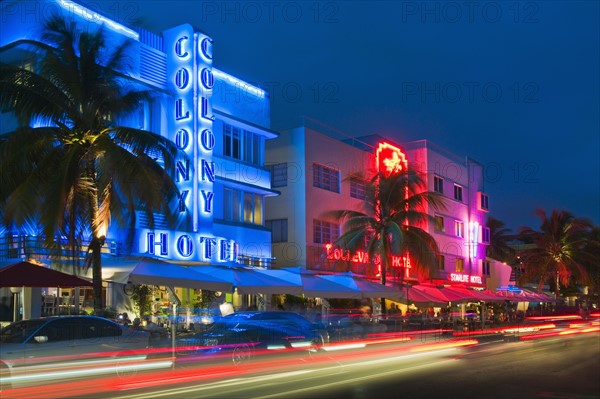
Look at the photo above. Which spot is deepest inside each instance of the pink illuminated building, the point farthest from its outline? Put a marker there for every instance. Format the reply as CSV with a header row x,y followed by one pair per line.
x,y
311,166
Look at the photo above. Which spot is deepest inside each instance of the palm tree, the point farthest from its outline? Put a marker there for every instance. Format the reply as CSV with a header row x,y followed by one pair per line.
x,y
395,212
70,167
561,249
500,236
593,267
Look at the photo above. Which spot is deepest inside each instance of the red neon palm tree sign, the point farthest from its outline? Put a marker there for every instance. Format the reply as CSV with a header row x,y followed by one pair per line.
x,y
390,159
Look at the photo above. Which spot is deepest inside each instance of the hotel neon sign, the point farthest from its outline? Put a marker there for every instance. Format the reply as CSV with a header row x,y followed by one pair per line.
x,y
465,278
190,76
189,246
363,257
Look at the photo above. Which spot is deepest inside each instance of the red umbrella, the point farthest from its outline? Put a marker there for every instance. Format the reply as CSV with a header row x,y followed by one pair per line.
x,y
27,274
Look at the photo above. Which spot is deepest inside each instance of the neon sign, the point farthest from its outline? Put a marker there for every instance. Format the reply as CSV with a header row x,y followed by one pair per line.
x,y
465,278
189,246
390,159
509,288
190,76
333,253
473,239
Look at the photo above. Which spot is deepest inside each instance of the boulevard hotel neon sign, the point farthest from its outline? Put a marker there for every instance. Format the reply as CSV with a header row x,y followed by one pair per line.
x,y
333,253
190,122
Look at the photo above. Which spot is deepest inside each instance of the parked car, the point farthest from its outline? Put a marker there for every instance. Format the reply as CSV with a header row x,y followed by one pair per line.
x,y
66,343
348,324
239,336
290,319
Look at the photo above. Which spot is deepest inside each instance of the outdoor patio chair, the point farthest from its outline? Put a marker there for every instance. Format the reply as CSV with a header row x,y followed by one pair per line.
x,y
49,305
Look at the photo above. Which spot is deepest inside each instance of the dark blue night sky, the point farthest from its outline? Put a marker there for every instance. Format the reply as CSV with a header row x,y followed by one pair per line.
x,y
513,85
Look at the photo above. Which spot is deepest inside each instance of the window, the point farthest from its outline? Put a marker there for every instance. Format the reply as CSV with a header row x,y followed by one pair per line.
x,y
231,204
458,193
253,208
459,228
325,232
486,268
460,265
326,178
92,328
278,174
358,188
248,144
441,262
242,144
279,229
483,202
438,184
61,330
439,223
258,209
240,206
485,235
231,141
248,208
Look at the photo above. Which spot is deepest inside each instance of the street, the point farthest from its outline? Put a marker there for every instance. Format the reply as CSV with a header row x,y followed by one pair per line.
x,y
552,366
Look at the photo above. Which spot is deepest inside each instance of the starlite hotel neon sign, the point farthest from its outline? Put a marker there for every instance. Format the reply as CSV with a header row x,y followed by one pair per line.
x,y
190,78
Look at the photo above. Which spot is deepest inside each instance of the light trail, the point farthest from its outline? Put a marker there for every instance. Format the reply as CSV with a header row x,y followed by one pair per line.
x,y
312,373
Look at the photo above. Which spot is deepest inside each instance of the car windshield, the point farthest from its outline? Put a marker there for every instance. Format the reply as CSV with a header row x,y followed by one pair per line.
x,y
18,332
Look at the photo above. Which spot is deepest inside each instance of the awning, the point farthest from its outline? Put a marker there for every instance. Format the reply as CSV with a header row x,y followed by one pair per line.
x,y
155,272
28,274
524,295
539,296
249,280
447,295
409,295
366,288
468,294
488,296
313,286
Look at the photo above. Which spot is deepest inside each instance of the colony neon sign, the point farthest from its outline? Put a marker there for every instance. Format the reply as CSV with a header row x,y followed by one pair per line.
x,y
190,246
190,76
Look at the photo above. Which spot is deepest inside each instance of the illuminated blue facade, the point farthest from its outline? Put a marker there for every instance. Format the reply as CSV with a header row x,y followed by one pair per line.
x,y
220,122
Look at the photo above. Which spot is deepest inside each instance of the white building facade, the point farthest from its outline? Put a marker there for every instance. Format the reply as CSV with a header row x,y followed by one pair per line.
x,y
312,167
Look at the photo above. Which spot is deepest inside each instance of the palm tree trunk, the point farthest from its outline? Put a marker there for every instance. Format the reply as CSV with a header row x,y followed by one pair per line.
x,y
557,289
96,247
384,264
